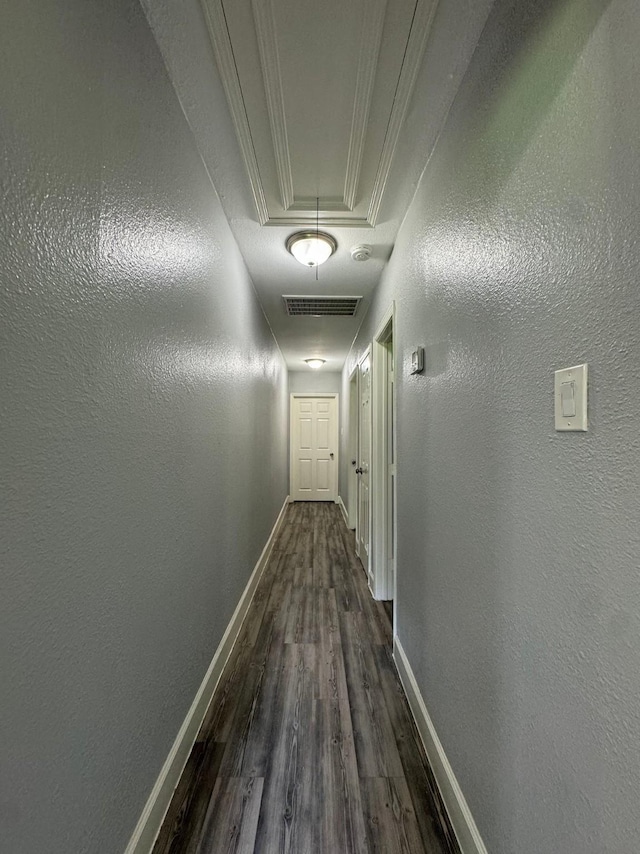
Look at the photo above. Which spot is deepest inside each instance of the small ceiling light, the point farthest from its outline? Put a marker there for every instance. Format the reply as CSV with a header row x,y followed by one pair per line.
x,y
311,248
315,363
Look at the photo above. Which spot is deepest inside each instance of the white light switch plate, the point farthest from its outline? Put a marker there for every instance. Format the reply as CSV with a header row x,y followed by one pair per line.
x,y
571,398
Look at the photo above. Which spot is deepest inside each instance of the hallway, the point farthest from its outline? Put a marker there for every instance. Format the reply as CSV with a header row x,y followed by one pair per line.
x,y
309,745
154,326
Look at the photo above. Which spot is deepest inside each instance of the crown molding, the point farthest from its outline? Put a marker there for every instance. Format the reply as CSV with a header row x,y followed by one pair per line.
x,y
420,28
325,222
265,27
365,80
221,41
372,35
308,205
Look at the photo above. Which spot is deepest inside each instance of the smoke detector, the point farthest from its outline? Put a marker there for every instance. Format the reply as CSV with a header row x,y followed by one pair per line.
x,y
362,252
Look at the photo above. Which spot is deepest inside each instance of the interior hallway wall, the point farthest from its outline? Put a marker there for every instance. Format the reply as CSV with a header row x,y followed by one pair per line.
x,y
144,415
519,547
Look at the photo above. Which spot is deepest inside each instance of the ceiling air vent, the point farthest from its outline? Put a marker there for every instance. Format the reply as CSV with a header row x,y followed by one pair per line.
x,y
321,306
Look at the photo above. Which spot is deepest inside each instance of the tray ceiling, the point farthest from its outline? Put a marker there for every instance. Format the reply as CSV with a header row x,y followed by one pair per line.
x,y
292,99
318,93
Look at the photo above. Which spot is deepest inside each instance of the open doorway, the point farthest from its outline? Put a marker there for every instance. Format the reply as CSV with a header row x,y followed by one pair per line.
x,y
384,461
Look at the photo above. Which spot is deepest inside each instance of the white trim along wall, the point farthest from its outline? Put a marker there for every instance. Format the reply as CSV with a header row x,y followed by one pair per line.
x,y
155,809
343,510
457,808
383,481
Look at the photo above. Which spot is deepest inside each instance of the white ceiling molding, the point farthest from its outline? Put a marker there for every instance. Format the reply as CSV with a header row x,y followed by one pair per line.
x,y
423,16
328,55
367,67
268,47
325,221
329,204
304,124
219,34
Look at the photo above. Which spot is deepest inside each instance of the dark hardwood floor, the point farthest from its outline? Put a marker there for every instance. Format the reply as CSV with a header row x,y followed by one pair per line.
x,y
309,746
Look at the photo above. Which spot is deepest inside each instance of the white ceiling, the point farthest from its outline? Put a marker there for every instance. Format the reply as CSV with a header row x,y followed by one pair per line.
x,y
294,101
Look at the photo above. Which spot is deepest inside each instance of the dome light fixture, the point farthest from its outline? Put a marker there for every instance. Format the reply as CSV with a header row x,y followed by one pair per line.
x,y
315,363
311,248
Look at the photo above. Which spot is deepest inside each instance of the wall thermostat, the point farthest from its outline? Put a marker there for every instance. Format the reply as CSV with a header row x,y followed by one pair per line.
x,y
417,360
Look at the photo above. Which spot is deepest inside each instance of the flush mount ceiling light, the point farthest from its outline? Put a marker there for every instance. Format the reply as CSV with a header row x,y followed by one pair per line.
x,y
311,248
315,363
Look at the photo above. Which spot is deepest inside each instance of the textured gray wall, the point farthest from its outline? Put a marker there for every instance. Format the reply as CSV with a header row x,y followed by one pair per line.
x,y
315,381
519,547
144,409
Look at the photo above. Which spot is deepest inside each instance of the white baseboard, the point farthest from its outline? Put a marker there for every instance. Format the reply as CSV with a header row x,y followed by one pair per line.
x,y
462,821
156,807
340,504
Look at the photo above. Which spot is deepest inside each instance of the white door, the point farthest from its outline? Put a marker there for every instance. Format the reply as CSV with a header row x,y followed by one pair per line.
x,y
364,462
390,538
314,447
352,477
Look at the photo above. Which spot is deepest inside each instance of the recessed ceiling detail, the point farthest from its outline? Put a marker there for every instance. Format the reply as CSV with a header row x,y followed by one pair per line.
x,y
319,106
298,306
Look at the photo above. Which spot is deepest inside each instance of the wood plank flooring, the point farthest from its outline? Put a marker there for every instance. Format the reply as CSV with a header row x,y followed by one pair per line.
x,y
309,746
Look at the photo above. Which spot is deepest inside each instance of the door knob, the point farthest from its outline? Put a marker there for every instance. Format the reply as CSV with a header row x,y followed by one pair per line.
x,y
358,471
331,455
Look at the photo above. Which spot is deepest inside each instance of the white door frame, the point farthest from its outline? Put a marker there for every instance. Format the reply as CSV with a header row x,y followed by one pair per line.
x,y
336,439
353,449
368,566
383,480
